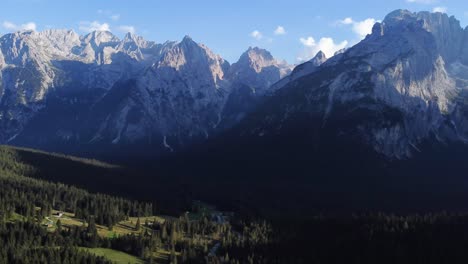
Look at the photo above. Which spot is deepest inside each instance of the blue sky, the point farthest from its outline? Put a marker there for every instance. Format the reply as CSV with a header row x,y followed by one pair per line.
x,y
293,30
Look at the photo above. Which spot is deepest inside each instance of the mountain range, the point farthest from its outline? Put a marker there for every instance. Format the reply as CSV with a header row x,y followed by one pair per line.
x,y
403,85
63,91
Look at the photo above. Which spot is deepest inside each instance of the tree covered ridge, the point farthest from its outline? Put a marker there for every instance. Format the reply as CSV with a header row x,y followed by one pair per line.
x,y
26,205
23,195
12,152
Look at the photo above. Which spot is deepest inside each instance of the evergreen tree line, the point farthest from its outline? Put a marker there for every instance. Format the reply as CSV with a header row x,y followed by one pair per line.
x,y
27,242
367,238
34,199
23,195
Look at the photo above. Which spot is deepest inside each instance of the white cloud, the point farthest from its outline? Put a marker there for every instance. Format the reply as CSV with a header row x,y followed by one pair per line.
x,y
13,27
361,28
9,26
126,29
347,21
440,9
87,26
115,17
29,26
256,35
427,2
280,30
308,42
326,45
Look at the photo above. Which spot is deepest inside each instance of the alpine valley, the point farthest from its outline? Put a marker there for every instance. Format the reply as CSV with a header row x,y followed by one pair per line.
x,y
356,158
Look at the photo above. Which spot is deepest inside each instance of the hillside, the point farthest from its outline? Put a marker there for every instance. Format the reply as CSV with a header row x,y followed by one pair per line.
x,y
133,181
91,174
56,222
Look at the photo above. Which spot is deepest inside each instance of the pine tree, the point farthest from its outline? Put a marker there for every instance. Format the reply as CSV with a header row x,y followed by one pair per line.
x,y
164,232
138,225
59,226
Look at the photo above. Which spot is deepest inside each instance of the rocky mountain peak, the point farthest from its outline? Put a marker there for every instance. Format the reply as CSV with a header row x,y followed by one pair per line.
x,y
61,42
257,59
259,70
320,55
99,38
255,52
133,45
189,54
133,38
305,68
130,36
447,32
23,46
138,40
319,59
398,16
59,34
188,43
187,38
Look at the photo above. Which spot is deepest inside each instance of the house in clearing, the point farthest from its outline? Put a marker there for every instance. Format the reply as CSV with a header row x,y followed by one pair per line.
x,y
58,214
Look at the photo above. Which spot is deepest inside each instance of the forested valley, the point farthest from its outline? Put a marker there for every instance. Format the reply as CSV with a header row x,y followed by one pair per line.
x,y
52,222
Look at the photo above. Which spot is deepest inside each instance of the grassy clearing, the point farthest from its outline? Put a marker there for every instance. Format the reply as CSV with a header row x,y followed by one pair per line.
x,y
128,226
115,256
121,228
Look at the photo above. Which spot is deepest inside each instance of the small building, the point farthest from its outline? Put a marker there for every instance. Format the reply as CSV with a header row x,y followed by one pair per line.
x,y
58,214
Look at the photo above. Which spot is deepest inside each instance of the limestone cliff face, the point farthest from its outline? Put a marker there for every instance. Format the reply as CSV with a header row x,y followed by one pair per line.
x,y
409,76
100,89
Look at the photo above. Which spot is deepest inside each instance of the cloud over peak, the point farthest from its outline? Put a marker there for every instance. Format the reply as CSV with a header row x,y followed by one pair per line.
x,y
326,45
439,9
87,26
360,28
256,35
14,27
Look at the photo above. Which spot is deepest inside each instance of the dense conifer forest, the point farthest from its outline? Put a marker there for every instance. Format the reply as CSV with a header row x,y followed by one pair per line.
x,y
51,222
